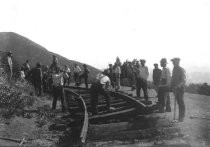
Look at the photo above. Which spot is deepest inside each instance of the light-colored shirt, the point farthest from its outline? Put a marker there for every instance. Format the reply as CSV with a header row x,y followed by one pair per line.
x,y
58,79
143,72
9,59
117,70
166,74
104,80
67,70
22,74
77,69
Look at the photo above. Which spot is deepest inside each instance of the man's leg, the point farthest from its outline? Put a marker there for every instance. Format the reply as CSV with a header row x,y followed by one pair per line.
x,y
144,87
55,96
107,98
63,99
86,82
180,101
94,98
137,87
69,78
39,89
161,100
168,103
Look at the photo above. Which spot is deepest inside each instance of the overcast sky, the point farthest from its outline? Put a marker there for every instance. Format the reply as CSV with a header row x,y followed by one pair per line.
x,y
95,32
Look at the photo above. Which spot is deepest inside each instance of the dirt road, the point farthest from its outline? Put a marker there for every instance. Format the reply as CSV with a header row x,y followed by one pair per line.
x,y
194,131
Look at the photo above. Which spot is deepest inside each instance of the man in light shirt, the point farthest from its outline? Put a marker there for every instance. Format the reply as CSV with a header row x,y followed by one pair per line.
x,y
58,91
100,86
164,88
117,76
142,77
10,66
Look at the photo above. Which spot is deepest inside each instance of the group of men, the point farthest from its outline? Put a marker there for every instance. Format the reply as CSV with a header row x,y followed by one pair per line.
x,y
165,82
53,78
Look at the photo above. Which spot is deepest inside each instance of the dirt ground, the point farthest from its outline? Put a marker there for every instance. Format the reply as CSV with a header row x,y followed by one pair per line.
x,y
194,131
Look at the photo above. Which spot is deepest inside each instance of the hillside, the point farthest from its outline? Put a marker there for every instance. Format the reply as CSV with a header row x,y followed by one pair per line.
x,y
23,49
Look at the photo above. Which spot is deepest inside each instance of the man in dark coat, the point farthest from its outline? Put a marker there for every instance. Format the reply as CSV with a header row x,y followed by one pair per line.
x,y
84,75
35,75
178,81
156,76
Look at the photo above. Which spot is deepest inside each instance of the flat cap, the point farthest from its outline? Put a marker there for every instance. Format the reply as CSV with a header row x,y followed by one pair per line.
x,y
163,60
142,60
175,59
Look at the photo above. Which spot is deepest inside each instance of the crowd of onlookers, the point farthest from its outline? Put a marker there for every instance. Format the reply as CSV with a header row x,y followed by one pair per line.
x,y
164,82
54,78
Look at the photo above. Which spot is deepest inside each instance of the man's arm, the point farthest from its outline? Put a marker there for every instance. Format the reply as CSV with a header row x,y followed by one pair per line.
x,y
183,79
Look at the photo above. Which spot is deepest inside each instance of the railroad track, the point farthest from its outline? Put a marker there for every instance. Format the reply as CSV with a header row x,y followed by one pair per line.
x,y
79,103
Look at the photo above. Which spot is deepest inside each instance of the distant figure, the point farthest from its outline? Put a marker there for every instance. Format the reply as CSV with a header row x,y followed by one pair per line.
x,y
84,75
111,75
26,67
58,90
22,74
35,75
77,71
9,66
68,71
45,79
164,88
142,80
101,86
177,84
117,76
54,65
156,76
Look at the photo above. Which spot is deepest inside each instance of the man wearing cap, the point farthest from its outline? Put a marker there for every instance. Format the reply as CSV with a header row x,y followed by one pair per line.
x,y
156,76
100,86
164,88
177,85
142,76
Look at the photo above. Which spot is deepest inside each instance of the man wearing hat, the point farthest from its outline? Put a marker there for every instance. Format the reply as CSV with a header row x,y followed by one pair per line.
x,y
164,88
177,85
156,76
10,65
142,76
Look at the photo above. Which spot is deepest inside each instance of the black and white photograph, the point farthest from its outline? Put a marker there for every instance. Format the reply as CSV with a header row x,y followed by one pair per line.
x,y
105,73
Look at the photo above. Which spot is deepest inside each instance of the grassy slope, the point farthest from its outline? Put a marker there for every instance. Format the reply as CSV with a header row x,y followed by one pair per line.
x,y
24,49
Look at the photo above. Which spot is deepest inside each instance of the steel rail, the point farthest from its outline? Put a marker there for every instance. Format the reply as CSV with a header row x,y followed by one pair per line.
x,y
84,129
